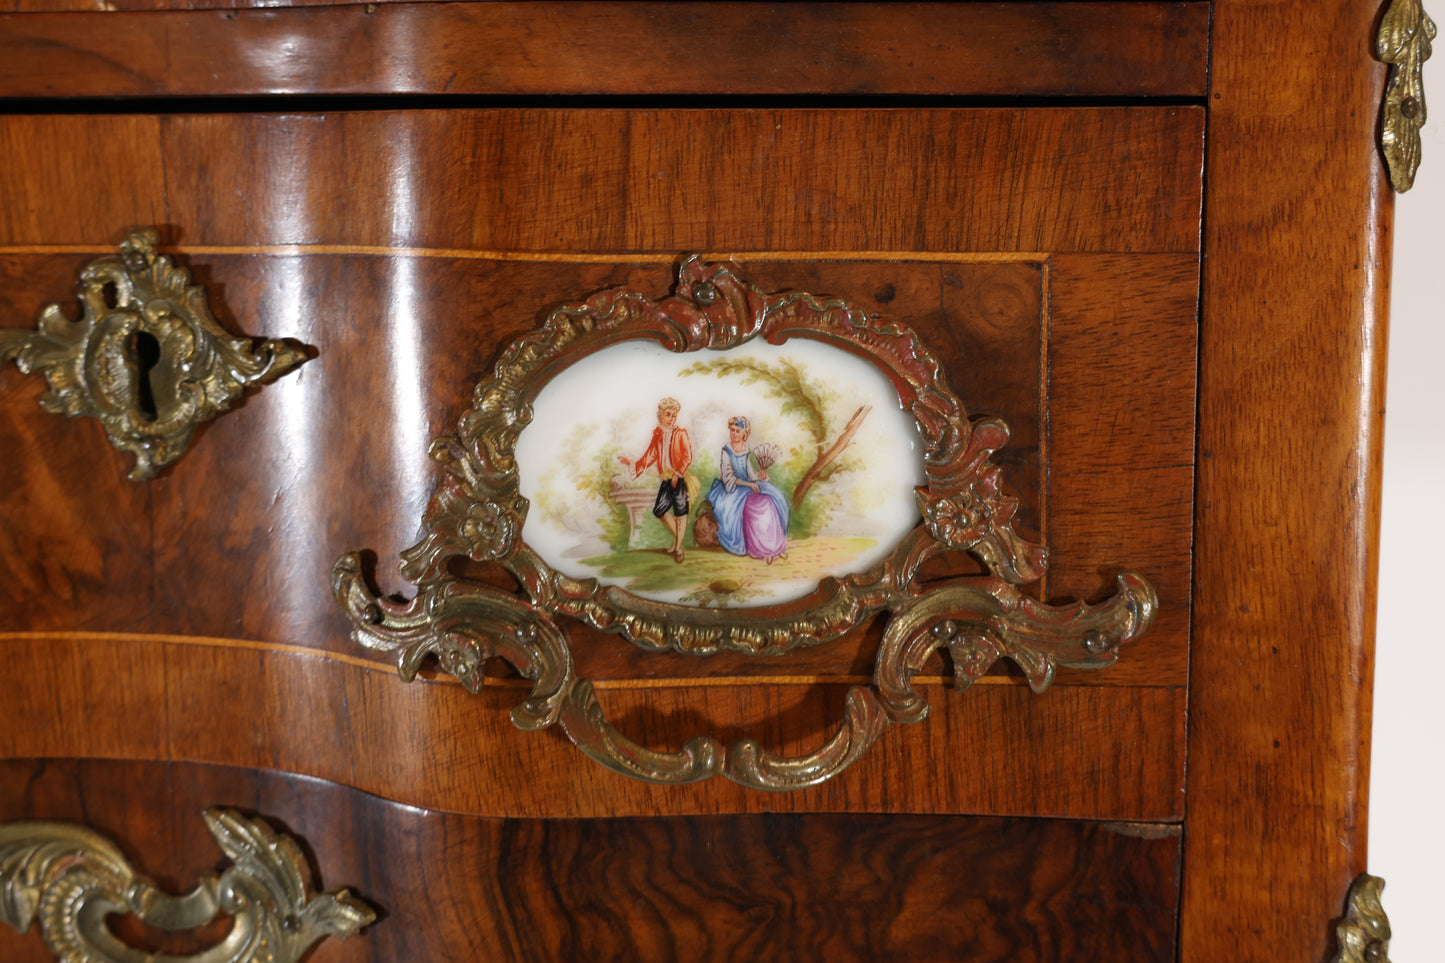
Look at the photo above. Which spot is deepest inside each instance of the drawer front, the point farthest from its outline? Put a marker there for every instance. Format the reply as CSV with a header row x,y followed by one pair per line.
x,y
699,888
1030,250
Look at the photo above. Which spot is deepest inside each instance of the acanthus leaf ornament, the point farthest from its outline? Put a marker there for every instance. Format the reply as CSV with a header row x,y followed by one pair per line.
x,y
70,879
479,513
146,359
1403,43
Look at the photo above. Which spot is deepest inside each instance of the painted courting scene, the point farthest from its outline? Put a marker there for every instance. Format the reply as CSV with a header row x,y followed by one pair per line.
x,y
718,478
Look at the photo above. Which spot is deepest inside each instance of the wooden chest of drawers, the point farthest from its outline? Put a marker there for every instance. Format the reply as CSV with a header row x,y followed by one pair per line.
x,y
1147,235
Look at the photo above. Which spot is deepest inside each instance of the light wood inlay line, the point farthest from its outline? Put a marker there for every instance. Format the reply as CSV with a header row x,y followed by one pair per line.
x,y
1046,321
428,675
198,640
282,648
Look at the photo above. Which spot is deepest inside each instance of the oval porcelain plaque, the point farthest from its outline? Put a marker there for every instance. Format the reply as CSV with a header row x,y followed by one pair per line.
x,y
719,478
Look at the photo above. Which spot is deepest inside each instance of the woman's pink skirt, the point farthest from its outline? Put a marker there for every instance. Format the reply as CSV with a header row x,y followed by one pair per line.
x,y
763,533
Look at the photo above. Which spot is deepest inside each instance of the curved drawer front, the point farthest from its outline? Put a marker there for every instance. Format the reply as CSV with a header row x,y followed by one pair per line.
x,y
707,887
407,249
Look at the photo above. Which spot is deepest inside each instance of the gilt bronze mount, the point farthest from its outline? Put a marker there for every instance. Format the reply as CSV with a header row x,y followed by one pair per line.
x,y
71,879
146,359
1364,932
1403,43
722,328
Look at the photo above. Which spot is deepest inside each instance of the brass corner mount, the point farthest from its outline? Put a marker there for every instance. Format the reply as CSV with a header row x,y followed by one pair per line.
x,y
1364,931
1403,43
146,359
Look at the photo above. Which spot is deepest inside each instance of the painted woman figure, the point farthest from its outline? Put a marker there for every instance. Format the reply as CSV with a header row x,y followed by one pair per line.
x,y
751,512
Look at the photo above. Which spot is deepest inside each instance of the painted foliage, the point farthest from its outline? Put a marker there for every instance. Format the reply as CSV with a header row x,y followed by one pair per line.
x,y
722,478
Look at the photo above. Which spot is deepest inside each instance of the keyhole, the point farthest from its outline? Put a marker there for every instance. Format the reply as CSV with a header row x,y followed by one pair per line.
x,y
145,350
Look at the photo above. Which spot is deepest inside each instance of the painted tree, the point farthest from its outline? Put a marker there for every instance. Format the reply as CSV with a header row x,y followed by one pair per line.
x,y
809,401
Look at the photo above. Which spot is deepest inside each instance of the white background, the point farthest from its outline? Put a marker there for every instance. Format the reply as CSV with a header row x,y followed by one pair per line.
x,y
1407,786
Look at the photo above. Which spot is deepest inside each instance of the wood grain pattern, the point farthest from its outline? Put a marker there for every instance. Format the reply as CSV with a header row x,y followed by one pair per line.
x,y
1088,179
707,888
1122,359
79,177
75,543
1291,397
1004,49
1135,520
333,458
1078,751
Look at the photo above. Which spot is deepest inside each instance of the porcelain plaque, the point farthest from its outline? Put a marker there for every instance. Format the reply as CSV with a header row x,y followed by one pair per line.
x,y
794,462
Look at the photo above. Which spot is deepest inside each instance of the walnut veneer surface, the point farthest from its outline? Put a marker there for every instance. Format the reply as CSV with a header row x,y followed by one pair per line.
x,y
409,187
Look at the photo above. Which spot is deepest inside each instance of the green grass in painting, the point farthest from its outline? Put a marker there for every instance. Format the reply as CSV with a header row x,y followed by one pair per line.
x,y
716,577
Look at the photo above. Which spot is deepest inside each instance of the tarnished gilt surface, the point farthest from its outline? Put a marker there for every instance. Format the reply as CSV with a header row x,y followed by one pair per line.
x,y
1364,932
70,879
1404,43
98,367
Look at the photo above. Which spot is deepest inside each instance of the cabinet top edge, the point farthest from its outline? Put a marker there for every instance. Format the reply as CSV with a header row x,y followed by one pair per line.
x,y
1107,48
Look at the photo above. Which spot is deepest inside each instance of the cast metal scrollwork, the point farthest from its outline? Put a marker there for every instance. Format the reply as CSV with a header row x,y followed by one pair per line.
x,y
478,513
1404,43
1364,932
71,879
146,358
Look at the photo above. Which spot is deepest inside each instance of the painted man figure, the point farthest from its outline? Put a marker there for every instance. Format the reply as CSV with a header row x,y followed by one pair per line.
x,y
671,453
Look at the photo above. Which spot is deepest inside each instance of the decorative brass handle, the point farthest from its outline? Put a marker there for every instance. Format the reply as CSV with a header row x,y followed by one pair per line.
x,y
146,358
729,590
1404,43
72,878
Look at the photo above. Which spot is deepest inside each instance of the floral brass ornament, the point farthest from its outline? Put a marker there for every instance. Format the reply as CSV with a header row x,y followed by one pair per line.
x,y
71,879
146,359
1404,43
703,596
1364,932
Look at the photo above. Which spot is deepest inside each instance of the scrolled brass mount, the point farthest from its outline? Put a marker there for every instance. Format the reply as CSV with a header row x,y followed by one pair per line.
x,y
479,513
146,359
72,878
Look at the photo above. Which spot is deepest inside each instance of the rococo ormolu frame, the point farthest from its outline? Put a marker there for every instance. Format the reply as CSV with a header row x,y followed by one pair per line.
x,y
478,513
